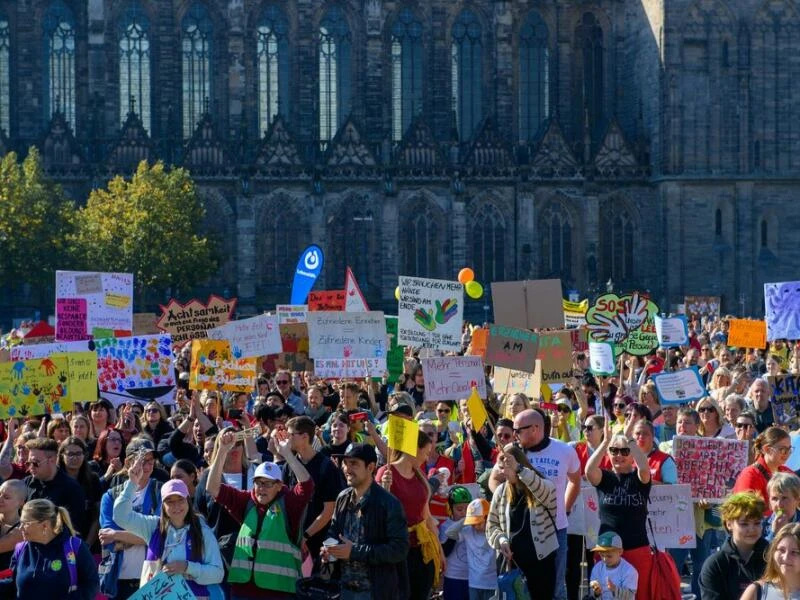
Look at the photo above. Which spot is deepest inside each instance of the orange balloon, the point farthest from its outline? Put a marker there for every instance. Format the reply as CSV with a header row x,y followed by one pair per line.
x,y
466,275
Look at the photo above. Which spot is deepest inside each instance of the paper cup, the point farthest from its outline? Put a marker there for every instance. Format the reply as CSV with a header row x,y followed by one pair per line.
x,y
331,542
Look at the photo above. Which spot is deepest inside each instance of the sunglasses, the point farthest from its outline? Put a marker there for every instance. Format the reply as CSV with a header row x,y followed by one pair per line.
x,y
443,411
564,409
620,405
743,425
282,381
517,430
706,409
587,428
151,410
33,463
619,451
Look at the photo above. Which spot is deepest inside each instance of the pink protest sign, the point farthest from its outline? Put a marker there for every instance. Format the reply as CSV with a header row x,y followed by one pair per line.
x,y
71,317
709,465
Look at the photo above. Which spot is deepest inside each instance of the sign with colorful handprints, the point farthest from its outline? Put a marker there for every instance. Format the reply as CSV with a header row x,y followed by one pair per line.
x,y
34,387
430,313
133,363
215,368
626,321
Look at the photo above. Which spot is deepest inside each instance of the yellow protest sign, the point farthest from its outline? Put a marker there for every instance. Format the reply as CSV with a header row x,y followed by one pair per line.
x,y
214,367
576,307
402,434
82,368
34,387
747,333
477,411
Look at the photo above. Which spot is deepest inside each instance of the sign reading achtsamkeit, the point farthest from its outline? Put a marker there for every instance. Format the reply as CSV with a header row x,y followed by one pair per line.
x,y
192,320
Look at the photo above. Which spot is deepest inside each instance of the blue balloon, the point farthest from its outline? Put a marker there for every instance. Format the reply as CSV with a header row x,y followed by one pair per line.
x,y
308,269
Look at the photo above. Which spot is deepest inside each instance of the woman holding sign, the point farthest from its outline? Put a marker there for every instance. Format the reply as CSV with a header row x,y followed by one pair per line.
x,y
772,449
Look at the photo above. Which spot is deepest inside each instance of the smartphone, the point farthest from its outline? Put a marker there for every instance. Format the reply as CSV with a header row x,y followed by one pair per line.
x,y
235,413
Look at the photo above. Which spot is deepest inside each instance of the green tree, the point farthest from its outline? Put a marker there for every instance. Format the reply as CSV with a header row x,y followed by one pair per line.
x,y
148,226
36,221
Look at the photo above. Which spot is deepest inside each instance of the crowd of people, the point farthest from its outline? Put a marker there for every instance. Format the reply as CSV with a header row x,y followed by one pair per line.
x,y
265,492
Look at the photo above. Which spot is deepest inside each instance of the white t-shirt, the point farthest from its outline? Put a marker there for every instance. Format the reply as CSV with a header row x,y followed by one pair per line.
x,y
133,557
555,462
480,558
457,559
622,576
235,479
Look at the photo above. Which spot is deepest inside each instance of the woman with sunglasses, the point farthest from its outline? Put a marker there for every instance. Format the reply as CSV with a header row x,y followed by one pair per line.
x,y
711,419
623,493
154,422
772,450
619,406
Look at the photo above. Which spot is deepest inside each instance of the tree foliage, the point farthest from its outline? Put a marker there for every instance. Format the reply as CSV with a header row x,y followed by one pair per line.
x,y
147,226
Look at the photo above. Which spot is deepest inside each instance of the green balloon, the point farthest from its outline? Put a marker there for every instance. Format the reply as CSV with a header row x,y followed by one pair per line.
x,y
474,289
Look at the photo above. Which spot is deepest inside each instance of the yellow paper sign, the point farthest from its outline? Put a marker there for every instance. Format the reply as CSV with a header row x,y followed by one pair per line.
x,y
747,333
214,367
477,411
403,434
118,300
34,387
576,307
82,367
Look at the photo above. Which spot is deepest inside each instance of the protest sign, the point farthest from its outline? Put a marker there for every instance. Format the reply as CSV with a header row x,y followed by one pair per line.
x,y
580,339
108,296
601,358
294,343
785,388
477,411
134,363
671,331
164,587
782,310
394,358
699,307
452,377
747,333
214,367
478,342
34,387
430,313
512,348
144,324
82,369
346,335
575,313
530,304
709,465
326,300
353,368
671,513
507,381
626,321
71,319
291,313
555,352
250,338
585,517
679,387
47,350
191,321
354,299
402,434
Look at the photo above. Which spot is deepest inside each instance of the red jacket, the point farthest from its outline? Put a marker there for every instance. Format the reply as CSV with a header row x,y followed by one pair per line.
x,y
655,460
754,478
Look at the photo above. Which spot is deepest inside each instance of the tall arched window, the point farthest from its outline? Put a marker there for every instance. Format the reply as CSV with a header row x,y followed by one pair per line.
x,y
134,65
196,48
589,39
617,235
763,236
534,76
273,65
421,242
5,76
59,36
488,243
334,73
556,235
467,72
406,71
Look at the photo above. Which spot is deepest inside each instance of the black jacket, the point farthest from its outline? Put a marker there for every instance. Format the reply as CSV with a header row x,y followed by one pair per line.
x,y
386,541
725,576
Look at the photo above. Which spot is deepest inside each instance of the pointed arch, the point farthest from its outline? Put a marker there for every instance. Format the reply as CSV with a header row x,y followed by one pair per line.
x,y
282,233
590,69
556,227
618,234
197,31
135,65
406,74
335,77
422,238
466,64
534,76
272,65
487,246
59,39
353,229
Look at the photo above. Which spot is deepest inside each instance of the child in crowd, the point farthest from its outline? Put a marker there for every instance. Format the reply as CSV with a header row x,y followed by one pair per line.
x,y
783,491
456,578
613,578
482,574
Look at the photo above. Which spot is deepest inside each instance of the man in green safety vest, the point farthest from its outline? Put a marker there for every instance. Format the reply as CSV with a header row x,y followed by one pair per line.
x,y
267,557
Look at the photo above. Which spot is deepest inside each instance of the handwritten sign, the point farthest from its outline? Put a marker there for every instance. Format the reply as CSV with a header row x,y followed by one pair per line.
x,y
747,333
294,355
326,300
356,368
601,358
507,381
164,587
512,348
47,350
214,367
709,465
575,313
108,298
250,338
82,369
452,377
34,387
291,313
431,313
71,319
191,321
478,342
679,387
626,321
555,352
347,335
133,363
671,331
785,388
402,434
394,358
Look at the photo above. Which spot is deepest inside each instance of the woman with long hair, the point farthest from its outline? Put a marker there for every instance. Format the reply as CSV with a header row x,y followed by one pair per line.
x,y
81,427
109,453
186,471
12,497
772,448
101,417
711,417
404,479
154,422
72,460
781,580
178,541
521,523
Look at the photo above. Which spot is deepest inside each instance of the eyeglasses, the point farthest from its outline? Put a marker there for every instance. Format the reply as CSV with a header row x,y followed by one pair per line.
x,y
619,451
73,454
587,428
620,405
743,425
282,381
704,409
784,450
517,430
267,483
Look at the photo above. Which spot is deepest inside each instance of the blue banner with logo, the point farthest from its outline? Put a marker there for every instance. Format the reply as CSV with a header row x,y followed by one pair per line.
x,y
308,269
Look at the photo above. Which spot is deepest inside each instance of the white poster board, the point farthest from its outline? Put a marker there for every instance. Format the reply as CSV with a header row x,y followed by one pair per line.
x,y
679,387
350,368
452,377
291,313
430,313
109,297
672,331
250,338
601,358
337,334
35,351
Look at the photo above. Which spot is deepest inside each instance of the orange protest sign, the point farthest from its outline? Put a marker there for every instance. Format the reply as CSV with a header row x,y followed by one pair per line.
x,y
480,339
747,333
326,300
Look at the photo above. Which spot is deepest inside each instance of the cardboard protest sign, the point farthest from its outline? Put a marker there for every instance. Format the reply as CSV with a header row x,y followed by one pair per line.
x,y
671,513
354,368
530,304
509,382
782,310
291,313
34,387
555,352
394,358
671,331
82,369
354,299
71,319
785,388
214,367
699,307
452,377
679,387
294,343
478,342
164,587
512,348
191,321
580,339
47,350
402,434
108,296
134,363
626,321
326,300
346,335
709,465
575,313
145,324
747,333
477,411
430,313
250,338
602,358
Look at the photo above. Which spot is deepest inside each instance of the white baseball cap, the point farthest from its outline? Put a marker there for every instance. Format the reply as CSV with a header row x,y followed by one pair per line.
x,y
268,470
